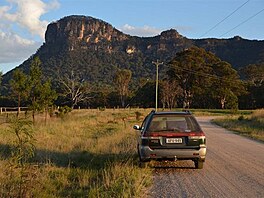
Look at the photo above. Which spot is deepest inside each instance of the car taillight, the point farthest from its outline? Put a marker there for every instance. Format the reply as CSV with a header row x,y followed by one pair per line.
x,y
151,139
196,135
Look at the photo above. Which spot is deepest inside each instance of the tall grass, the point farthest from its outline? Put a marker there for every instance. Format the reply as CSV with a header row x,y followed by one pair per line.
x,y
258,115
248,125
89,153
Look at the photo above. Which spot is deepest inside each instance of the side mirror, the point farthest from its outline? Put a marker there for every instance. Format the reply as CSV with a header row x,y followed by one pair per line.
x,y
136,127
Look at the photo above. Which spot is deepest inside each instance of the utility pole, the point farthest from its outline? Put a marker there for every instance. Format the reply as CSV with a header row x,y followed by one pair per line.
x,y
157,63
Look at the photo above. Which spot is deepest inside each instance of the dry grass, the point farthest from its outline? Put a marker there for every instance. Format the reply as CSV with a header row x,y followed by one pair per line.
x,y
250,125
258,114
89,153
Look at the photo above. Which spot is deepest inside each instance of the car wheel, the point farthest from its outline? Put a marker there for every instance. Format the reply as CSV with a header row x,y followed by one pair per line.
x,y
143,164
198,164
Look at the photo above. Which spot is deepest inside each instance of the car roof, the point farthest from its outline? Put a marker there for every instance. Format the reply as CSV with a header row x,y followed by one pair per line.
x,y
172,113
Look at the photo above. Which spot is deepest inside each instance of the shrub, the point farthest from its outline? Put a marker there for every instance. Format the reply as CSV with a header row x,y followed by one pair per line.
x,y
20,179
138,114
241,118
63,111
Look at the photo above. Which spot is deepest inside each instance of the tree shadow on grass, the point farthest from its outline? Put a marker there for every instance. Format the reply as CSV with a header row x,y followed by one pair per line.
x,y
73,159
72,163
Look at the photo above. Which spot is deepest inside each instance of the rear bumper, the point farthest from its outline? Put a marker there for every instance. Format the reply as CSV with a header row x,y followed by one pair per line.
x,y
146,154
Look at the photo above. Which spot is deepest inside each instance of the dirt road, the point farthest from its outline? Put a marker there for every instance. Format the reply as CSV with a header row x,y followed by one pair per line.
x,y
234,167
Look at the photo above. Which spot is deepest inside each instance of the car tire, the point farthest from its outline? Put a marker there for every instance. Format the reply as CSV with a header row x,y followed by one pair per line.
x,y
198,164
143,164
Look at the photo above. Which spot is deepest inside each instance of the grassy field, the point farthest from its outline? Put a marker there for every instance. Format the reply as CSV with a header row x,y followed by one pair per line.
x,y
219,112
88,153
251,125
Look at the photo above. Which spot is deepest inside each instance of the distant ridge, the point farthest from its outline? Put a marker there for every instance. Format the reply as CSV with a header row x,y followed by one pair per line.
x,y
96,49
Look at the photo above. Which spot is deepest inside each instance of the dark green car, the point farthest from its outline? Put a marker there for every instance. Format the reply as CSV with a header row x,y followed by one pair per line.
x,y
171,136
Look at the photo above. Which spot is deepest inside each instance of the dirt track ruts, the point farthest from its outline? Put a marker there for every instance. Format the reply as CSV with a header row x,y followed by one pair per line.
x,y
234,167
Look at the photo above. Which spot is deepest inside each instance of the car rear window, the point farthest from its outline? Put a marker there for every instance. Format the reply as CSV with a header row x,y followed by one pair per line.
x,y
177,123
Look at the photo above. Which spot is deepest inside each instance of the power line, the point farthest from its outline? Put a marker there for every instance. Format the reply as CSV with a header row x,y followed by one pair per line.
x,y
199,73
215,77
242,22
225,18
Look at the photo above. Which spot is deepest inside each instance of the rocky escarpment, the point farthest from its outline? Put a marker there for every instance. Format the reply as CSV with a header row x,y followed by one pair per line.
x,y
81,32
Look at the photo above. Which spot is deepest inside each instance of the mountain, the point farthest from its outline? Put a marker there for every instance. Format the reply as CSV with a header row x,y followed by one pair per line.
x,y
237,51
95,49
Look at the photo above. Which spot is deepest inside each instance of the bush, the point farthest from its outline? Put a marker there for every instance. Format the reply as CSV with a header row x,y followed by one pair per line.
x,y
241,118
138,114
63,111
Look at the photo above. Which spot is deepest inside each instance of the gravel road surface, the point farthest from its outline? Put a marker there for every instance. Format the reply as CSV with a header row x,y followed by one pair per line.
x,y
234,167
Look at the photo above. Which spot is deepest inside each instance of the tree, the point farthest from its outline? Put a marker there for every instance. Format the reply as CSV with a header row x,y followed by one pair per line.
x,y
254,73
253,76
35,75
189,68
170,91
145,95
20,87
122,79
226,85
46,97
74,87
204,76
1,77
41,95
0,80
100,96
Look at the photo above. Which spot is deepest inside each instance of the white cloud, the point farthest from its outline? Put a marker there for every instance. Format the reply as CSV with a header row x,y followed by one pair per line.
x,y
14,48
19,17
140,31
146,31
183,28
27,14
4,9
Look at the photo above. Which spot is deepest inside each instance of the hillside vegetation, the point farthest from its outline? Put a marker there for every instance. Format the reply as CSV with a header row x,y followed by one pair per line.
x,y
194,78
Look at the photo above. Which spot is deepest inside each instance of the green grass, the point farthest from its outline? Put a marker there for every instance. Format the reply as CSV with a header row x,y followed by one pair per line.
x,y
213,112
89,153
248,125
219,112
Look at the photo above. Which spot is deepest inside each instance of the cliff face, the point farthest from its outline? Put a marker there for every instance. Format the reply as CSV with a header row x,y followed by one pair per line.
x,y
81,28
95,48
86,33
74,30
82,33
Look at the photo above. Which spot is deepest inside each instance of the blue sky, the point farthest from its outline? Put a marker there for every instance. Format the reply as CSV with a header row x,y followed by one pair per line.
x,y
23,22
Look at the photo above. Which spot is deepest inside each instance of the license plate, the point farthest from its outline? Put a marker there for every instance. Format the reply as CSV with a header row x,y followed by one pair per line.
x,y
174,140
